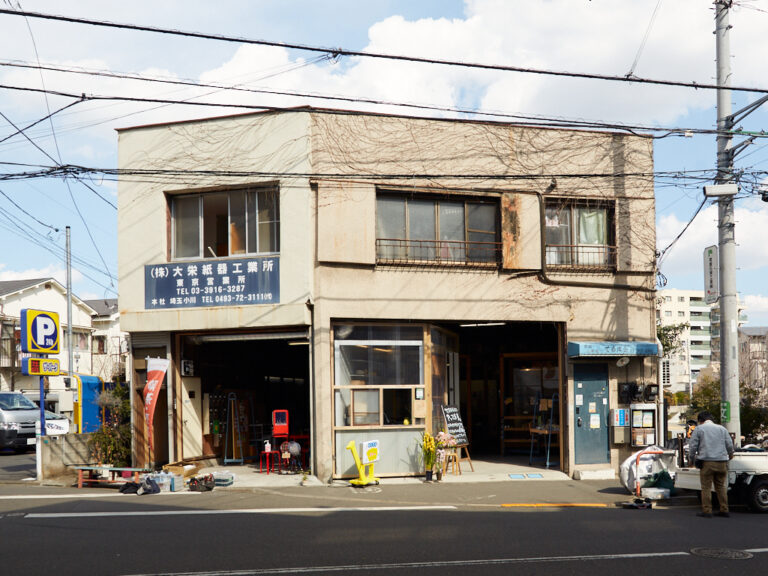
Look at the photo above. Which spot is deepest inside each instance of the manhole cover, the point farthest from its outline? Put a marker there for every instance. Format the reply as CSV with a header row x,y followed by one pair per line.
x,y
722,553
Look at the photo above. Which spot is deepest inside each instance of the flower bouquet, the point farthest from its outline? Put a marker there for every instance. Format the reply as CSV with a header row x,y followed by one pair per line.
x,y
428,450
444,442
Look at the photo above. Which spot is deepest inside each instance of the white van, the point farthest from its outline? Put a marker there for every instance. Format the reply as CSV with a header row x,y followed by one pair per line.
x,y
18,416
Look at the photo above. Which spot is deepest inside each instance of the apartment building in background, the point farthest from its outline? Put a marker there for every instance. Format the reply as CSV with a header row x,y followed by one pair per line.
x,y
753,358
700,339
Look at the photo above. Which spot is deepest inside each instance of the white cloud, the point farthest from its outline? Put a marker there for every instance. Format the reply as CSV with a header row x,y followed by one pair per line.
x,y
51,271
756,303
686,256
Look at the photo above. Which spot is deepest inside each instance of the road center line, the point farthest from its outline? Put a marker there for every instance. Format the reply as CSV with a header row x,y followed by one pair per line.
x,y
411,565
558,505
85,495
233,511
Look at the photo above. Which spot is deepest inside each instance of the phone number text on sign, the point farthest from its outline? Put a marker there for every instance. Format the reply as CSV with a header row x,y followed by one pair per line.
x,y
212,283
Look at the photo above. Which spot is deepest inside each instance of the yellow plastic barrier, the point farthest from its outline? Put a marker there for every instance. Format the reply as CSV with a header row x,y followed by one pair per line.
x,y
365,477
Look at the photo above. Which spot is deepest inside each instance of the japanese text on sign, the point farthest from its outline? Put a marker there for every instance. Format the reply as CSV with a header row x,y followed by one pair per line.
x,y
212,283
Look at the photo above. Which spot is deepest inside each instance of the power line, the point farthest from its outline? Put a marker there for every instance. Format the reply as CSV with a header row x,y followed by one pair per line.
x,y
538,119
336,52
645,39
266,108
58,151
32,216
36,122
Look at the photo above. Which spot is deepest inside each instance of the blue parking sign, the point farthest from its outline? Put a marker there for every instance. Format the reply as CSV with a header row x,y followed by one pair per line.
x,y
39,331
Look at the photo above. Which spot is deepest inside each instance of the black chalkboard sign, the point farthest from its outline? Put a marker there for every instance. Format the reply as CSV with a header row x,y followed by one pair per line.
x,y
454,425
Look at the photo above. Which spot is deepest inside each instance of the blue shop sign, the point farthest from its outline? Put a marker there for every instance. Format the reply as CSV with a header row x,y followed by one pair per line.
x,y
212,283
612,349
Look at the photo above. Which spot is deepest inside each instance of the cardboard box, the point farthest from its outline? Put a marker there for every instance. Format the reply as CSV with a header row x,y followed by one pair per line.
x,y
183,470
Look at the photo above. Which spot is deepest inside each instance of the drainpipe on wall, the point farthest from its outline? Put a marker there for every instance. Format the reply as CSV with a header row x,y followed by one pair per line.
x,y
660,397
312,440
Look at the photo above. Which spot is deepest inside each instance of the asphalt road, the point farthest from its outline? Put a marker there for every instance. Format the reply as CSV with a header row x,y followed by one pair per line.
x,y
44,531
16,467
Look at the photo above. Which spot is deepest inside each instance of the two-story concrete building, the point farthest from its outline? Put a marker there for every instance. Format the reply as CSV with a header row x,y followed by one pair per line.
x,y
363,270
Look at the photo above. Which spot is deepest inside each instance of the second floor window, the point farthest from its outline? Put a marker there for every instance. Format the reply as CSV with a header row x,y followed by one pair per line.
x,y
445,231
579,235
231,223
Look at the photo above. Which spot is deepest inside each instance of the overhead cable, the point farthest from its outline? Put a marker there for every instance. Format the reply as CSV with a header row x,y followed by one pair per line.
x,y
336,52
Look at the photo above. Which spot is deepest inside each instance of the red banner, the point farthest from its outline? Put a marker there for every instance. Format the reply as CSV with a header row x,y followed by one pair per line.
x,y
156,369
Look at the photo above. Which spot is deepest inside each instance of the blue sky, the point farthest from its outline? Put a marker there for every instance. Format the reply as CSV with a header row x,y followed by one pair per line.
x,y
598,36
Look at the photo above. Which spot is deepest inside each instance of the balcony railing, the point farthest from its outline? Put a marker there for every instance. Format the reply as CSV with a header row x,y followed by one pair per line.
x,y
438,252
587,257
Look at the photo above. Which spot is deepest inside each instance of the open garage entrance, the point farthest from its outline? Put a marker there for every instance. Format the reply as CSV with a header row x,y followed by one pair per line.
x,y
510,389
232,383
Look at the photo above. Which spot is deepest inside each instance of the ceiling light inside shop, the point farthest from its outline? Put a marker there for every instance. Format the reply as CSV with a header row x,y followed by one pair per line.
x,y
253,336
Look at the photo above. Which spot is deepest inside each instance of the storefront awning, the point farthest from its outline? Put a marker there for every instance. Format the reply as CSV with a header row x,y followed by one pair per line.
x,y
582,349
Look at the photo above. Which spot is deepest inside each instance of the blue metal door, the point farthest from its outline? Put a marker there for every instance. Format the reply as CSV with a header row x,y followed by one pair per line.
x,y
591,413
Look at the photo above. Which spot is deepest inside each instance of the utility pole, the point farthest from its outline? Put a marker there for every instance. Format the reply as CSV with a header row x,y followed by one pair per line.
x,y
729,313
70,344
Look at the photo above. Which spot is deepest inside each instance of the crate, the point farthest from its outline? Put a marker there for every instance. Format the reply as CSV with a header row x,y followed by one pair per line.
x,y
177,483
223,478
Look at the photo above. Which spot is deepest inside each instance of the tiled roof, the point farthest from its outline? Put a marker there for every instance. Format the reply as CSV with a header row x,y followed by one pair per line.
x,y
103,306
11,286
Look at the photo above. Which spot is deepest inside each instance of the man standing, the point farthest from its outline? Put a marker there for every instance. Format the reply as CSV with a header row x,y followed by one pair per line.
x,y
711,447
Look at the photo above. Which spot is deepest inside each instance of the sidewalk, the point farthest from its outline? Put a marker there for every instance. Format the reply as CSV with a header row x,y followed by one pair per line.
x,y
248,475
495,483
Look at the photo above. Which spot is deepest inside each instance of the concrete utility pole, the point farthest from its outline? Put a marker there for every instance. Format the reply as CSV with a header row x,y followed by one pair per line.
x,y
70,345
729,312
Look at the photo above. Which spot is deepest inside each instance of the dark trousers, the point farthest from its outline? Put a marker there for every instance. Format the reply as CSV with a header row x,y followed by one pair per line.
x,y
717,473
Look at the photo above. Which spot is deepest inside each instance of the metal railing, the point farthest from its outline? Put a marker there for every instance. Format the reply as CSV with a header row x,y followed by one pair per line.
x,y
438,252
580,256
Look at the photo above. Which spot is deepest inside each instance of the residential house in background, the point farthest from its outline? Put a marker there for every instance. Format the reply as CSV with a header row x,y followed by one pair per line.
x,y
361,271
109,350
43,294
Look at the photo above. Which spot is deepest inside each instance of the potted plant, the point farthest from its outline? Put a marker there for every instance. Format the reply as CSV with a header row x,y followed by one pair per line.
x,y
111,443
428,450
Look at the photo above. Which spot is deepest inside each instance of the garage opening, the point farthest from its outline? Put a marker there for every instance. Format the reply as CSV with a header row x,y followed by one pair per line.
x,y
510,379
232,384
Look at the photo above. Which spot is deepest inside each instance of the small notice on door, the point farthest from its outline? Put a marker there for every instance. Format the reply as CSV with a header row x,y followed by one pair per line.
x,y
594,421
579,399
592,407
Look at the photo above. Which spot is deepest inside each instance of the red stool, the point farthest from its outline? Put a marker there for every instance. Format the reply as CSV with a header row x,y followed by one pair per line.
x,y
272,458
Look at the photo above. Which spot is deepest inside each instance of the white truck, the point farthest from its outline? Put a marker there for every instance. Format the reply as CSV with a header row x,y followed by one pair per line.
x,y
747,479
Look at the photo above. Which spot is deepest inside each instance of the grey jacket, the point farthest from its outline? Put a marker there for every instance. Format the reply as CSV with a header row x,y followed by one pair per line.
x,y
710,442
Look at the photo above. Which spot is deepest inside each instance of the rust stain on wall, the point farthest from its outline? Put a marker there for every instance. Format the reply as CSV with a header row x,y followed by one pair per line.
x,y
510,230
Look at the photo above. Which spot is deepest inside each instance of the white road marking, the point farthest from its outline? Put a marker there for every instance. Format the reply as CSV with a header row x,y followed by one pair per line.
x,y
84,495
233,511
412,565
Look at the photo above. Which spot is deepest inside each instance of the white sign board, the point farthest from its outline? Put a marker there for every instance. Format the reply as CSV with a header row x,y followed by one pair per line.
x,y
370,451
53,427
711,275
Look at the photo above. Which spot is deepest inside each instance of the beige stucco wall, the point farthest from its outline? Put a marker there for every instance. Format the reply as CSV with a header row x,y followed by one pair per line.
x,y
246,144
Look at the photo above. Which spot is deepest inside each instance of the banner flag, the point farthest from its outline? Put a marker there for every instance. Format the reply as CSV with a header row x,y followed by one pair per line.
x,y
156,368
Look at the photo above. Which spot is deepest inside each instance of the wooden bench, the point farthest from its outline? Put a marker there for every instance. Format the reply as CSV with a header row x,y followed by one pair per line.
x,y
92,474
